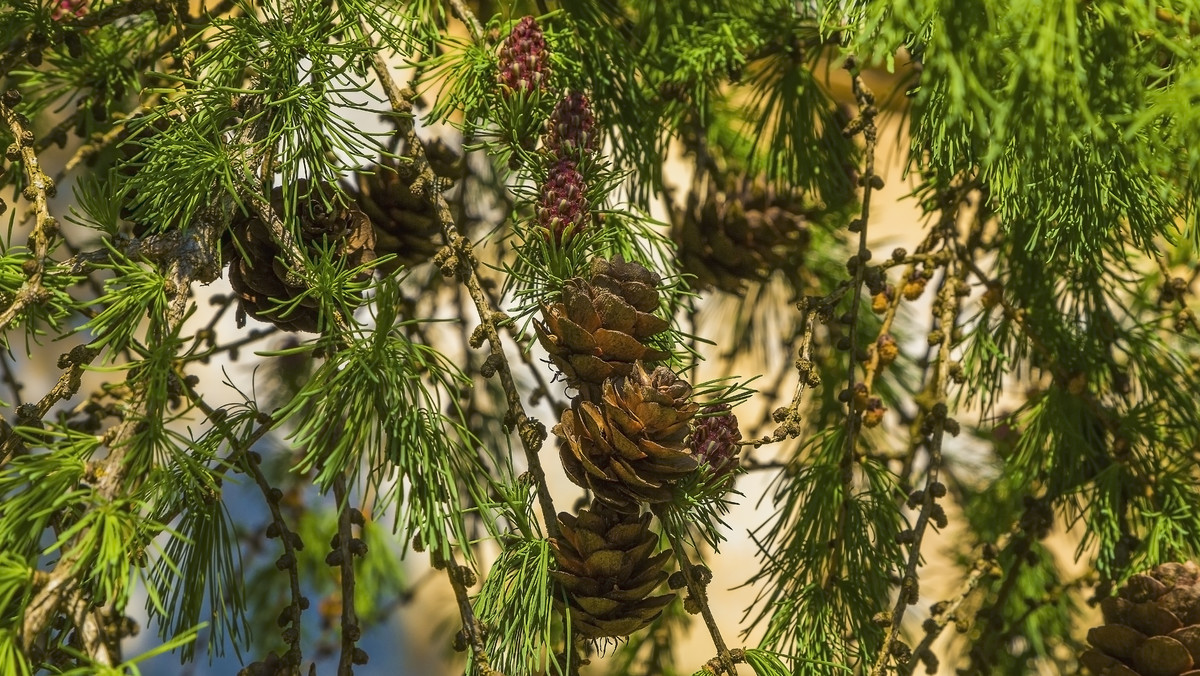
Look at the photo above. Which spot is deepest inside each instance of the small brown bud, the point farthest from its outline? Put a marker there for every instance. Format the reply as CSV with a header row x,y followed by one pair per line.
x,y
887,349
872,415
465,576
1182,320
938,514
913,289
861,395
952,427
956,372
289,615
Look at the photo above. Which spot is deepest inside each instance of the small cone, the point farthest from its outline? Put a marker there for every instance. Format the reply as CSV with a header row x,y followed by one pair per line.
x,y
261,279
1152,626
524,64
629,447
562,208
571,130
715,441
607,564
600,326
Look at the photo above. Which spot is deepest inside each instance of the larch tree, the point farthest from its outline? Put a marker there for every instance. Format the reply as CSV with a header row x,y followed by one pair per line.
x,y
466,243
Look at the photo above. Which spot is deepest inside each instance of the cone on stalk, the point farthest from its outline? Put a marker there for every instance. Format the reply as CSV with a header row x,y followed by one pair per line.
x,y
608,566
715,442
629,447
562,208
524,63
260,276
602,324
571,129
405,223
1152,626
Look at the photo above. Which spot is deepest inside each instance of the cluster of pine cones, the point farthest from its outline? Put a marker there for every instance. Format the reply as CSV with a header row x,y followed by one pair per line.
x,y
384,217
627,437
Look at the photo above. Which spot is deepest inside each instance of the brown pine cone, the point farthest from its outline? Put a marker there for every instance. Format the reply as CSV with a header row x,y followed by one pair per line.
x,y
607,564
601,325
405,223
741,236
259,275
1152,626
630,446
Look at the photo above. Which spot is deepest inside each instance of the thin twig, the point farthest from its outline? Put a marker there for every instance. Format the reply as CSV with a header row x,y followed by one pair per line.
x,y
66,387
946,610
870,181
462,577
699,592
933,411
39,189
351,631
460,10
287,562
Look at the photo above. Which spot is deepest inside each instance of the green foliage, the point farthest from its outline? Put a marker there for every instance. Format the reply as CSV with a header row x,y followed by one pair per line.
x,y
518,586
201,563
41,318
367,409
1051,146
135,292
813,594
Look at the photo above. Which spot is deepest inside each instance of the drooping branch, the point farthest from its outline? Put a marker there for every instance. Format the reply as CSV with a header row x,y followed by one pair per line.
x,y
464,264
